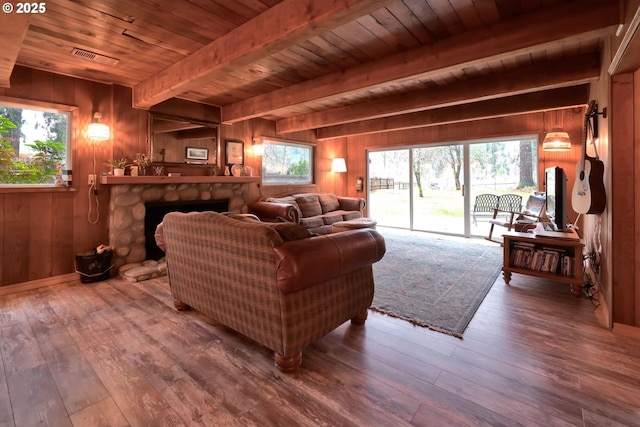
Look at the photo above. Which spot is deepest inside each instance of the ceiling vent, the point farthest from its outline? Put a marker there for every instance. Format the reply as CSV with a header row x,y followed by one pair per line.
x,y
96,57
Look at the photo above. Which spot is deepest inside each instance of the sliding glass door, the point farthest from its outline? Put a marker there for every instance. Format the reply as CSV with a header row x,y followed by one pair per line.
x,y
433,188
498,168
389,181
438,199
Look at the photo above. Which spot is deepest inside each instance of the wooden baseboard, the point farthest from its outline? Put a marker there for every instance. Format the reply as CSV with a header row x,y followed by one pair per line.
x,y
626,330
40,283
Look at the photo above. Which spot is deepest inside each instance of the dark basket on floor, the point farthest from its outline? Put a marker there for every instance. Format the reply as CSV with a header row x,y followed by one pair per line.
x,y
93,266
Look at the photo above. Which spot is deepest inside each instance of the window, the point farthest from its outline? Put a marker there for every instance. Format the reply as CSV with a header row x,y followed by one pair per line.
x,y
287,163
34,145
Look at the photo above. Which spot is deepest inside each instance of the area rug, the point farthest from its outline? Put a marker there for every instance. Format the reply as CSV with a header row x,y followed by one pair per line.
x,y
433,282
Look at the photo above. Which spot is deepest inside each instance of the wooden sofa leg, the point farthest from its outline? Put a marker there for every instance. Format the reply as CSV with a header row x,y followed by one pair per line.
x,y
288,364
180,306
360,318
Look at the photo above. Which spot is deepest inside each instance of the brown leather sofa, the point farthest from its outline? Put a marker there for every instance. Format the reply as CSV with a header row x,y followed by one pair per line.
x,y
270,281
314,211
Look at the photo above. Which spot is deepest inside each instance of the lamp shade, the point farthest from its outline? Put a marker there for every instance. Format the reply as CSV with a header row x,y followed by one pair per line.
x,y
258,149
98,131
338,165
556,140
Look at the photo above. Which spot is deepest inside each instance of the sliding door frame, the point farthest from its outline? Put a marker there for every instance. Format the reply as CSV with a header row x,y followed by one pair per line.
x,y
466,173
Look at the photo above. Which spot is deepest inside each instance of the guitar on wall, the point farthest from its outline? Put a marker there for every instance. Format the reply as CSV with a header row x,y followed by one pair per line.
x,y
588,196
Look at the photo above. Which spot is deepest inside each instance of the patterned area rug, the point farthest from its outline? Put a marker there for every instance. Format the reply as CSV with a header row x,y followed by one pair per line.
x,y
434,282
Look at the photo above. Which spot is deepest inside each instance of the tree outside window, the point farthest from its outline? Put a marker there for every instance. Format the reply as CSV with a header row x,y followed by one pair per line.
x,y
33,146
287,163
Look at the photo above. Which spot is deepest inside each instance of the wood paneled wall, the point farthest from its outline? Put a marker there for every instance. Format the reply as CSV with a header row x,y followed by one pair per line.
x,y
625,198
42,231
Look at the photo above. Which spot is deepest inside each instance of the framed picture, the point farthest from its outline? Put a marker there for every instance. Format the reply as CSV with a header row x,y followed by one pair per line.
x,y
195,153
234,152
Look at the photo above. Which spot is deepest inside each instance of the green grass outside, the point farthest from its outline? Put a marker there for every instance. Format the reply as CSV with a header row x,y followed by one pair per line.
x,y
438,211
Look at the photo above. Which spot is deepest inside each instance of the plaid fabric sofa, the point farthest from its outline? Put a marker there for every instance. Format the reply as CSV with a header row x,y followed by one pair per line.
x,y
314,211
281,289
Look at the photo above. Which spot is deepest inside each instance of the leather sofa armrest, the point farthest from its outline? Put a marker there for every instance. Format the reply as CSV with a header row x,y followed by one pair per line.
x,y
271,211
304,263
351,203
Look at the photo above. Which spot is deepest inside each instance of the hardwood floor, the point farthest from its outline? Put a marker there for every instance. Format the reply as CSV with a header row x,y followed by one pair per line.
x,y
117,354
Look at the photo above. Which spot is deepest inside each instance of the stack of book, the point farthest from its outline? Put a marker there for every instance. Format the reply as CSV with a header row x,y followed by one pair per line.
x,y
545,259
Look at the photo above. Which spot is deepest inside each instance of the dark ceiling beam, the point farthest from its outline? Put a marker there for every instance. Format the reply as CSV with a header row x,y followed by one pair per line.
x,y
277,28
550,75
567,22
574,96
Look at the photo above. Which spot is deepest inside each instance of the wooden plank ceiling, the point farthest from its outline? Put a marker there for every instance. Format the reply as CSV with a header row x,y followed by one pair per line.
x,y
329,65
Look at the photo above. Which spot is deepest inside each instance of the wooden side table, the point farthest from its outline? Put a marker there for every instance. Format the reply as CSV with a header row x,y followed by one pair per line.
x,y
558,259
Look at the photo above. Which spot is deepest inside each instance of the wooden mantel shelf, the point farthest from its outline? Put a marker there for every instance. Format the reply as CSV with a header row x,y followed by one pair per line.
x,y
116,180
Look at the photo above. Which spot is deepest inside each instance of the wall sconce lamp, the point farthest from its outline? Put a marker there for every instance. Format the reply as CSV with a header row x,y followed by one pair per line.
x,y
98,131
258,149
338,165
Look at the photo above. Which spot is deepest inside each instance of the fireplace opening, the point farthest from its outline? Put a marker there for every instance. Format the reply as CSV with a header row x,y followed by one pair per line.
x,y
155,212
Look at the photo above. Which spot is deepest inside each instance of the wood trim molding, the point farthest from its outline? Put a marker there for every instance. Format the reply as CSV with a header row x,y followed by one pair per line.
x,y
617,63
623,206
626,330
40,283
21,102
195,179
13,29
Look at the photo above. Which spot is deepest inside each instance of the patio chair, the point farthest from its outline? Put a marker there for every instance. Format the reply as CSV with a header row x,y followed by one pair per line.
x,y
510,203
516,219
485,205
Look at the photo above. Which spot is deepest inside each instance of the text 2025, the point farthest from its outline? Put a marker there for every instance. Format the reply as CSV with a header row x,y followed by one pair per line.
x,y
31,7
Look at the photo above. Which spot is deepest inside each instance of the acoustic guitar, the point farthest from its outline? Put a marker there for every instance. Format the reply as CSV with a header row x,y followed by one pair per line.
x,y
588,196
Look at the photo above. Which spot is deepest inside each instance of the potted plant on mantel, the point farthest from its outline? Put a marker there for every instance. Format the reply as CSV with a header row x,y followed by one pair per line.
x,y
143,162
118,166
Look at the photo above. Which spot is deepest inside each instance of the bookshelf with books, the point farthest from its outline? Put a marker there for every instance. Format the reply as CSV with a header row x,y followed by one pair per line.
x,y
549,257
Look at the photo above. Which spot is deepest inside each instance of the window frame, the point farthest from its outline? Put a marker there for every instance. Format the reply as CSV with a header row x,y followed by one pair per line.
x,y
298,144
51,107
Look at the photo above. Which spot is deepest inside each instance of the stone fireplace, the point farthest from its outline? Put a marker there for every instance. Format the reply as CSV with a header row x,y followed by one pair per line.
x,y
127,209
155,212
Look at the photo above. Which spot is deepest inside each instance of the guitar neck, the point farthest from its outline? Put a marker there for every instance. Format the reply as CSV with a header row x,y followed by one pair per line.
x,y
587,120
